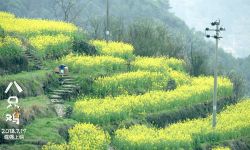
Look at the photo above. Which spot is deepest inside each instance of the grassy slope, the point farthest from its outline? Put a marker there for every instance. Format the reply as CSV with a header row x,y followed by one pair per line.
x,y
19,147
46,129
41,131
33,83
43,124
27,103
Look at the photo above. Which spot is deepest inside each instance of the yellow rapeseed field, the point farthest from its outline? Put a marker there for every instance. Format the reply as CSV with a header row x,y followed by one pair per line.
x,y
122,107
10,40
129,83
6,15
137,82
41,42
157,64
51,46
221,148
233,122
94,65
10,46
83,137
117,49
27,26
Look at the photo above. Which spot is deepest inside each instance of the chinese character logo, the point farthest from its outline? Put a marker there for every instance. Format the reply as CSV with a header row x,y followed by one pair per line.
x,y
13,103
14,117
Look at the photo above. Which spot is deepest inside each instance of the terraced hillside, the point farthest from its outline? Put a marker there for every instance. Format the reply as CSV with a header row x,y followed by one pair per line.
x,y
111,98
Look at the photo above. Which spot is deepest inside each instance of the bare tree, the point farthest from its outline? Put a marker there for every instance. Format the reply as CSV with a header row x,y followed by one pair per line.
x,y
70,9
66,7
96,24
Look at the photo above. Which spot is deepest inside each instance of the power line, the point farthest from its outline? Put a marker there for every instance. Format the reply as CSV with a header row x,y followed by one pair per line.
x,y
217,37
107,32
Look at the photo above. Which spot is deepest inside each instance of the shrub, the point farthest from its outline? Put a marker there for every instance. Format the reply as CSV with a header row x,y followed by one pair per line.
x,y
2,34
83,47
171,85
3,125
63,131
239,84
13,64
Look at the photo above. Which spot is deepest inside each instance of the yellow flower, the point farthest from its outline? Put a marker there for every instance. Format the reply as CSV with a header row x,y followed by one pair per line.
x,y
10,40
6,15
83,137
48,46
41,42
124,106
94,65
221,148
233,122
117,49
27,26
137,82
158,64
10,46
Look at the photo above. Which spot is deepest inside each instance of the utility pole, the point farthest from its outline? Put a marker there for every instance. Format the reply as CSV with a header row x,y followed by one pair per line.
x,y
107,32
217,37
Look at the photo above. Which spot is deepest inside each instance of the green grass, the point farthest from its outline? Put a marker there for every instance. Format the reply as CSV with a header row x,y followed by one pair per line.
x,y
19,147
46,129
41,101
33,83
40,130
